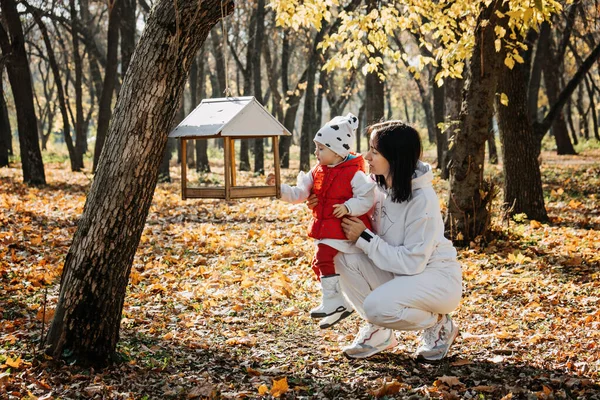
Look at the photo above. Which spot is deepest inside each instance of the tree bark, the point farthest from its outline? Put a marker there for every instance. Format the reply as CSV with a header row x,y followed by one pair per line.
x,y
80,136
110,77
12,43
522,177
59,86
535,80
374,103
202,164
259,35
5,130
453,93
441,139
308,116
86,322
470,197
491,140
127,30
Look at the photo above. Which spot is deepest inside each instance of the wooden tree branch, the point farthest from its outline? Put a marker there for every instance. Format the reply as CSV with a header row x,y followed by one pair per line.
x,y
541,128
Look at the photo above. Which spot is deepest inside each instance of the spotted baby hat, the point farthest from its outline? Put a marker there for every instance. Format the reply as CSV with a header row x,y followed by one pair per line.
x,y
338,134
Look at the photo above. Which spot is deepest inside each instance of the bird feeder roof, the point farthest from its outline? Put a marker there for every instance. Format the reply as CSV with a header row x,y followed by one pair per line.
x,y
229,116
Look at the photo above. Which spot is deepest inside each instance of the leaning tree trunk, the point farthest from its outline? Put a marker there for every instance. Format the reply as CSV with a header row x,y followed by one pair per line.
x,y
470,197
86,322
522,178
19,76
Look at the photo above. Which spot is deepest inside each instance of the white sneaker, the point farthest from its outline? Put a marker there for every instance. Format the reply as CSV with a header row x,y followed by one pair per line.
x,y
436,341
332,301
333,319
371,339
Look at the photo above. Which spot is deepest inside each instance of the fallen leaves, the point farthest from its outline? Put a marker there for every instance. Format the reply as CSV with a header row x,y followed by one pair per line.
x,y
219,292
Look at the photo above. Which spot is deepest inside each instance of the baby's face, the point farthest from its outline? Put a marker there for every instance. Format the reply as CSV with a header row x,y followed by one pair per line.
x,y
325,156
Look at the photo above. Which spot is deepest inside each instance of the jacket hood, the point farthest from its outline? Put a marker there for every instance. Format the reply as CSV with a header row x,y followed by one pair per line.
x,y
423,176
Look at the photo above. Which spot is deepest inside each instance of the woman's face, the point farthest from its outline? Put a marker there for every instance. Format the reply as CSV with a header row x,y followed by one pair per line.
x,y
378,164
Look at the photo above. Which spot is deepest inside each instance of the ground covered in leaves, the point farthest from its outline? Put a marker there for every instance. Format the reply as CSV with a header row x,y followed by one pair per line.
x,y
219,292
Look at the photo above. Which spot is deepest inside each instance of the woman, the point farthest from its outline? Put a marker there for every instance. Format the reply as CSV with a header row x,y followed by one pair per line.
x,y
407,276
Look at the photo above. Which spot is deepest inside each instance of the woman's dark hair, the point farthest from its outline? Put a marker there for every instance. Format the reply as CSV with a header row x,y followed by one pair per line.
x,y
400,144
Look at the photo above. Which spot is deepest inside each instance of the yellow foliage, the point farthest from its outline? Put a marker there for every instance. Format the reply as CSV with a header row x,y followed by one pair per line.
x,y
447,32
279,387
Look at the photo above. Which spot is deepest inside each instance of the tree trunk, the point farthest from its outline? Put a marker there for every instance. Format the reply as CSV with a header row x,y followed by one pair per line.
x,y
259,35
202,164
87,317
552,70
5,130
19,76
127,26
374,103
110,77
361,126
441,139
452,102
491,140
164,171
470,196
308,117
522,178
535,80
592,109
80,141
62,101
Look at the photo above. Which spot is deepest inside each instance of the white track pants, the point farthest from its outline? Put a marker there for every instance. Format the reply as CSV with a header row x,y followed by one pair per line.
x,y
402,302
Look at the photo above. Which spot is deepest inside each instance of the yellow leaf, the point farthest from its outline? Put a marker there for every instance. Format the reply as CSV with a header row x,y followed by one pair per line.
x,y
509,61
279,387
263,389
168,336
14,363
504,99
535,224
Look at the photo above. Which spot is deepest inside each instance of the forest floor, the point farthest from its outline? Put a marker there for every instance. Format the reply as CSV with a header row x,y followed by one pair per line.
x,y
219,292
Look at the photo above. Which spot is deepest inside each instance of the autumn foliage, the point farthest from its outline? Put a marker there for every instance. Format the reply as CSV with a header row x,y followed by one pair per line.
x,y
219,292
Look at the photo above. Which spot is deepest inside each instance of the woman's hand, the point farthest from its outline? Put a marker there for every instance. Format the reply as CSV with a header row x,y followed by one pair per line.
x,y
312,201
353,227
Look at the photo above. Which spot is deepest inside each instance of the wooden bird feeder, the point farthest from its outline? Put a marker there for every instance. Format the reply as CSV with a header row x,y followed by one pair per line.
x,y
229,118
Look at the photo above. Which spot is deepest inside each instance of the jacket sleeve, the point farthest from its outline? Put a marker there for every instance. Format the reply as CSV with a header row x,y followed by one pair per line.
x,y
412,256
300,192
363,189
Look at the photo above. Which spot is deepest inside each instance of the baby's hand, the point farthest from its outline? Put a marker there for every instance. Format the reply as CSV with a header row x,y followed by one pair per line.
x,y
270,179
339,210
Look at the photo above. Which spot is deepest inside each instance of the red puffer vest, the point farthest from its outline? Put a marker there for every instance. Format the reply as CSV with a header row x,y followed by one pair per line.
x,y
332,185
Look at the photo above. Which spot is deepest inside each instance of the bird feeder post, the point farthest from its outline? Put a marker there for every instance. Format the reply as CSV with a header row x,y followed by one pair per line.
x,y
227,167
183,168
232,156
277,167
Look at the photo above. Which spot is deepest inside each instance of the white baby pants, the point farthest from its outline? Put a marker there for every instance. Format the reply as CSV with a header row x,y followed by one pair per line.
x,y
400,302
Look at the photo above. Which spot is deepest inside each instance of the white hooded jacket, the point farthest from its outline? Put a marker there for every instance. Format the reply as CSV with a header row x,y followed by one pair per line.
x,y
410,234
